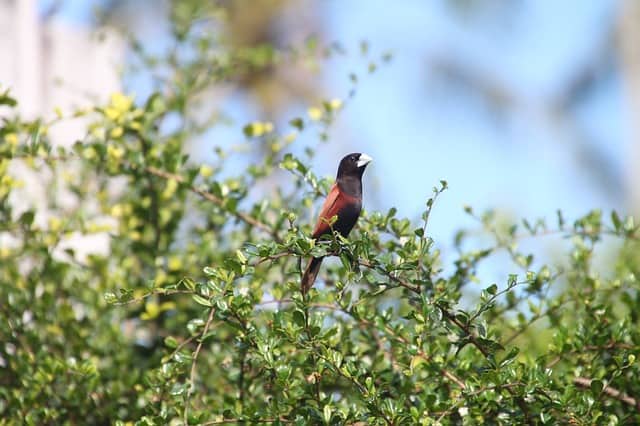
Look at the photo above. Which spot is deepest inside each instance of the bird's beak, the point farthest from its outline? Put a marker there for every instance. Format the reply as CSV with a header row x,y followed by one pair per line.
x,y
364,160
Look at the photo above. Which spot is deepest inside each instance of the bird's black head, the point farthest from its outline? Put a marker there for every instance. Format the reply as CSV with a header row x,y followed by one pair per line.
x,y
353,165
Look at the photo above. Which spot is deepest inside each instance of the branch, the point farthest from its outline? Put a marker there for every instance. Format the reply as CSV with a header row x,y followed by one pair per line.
x,y
249,220
400,282
248,420
192,375
477,392
535,318
585,382
452,377
154,292
595,348
168,175
467,330
472,338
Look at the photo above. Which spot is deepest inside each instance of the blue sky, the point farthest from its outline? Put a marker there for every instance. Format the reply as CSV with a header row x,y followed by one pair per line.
x,y
419,133
418,136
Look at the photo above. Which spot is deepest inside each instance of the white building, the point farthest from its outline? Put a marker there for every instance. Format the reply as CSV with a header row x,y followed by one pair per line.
x,y
49,64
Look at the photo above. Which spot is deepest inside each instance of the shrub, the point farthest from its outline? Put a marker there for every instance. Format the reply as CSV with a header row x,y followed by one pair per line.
x,y
193,314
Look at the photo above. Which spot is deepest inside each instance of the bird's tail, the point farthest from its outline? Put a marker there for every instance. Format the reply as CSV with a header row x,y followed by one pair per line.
x,y
310,274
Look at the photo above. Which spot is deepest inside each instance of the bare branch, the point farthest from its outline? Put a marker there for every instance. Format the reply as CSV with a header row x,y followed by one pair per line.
x,y
585,382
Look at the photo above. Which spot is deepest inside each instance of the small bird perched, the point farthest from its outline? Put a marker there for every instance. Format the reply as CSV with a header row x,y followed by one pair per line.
x,y
344,201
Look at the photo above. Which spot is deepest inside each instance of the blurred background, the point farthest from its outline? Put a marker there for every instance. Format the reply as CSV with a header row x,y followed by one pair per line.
x,y
522,106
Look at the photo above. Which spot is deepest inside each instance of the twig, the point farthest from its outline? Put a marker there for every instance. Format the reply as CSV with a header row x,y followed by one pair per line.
x,y
192,375
398,338
464,327
477,392
585,382
204,194
452,377
243,357
608,346
155,207
389,275
472,338
181,345
152,293
360,386
534,319
274,257
248,420
216,200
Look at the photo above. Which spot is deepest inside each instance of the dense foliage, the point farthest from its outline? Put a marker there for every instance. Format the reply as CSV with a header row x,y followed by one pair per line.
x,y
191,311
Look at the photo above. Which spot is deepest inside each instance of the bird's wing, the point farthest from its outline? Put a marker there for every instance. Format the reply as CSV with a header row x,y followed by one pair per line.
x,y
328,210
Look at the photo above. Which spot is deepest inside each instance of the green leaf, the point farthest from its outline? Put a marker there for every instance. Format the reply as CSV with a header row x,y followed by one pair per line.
x,y
510,357
201,300
171,342
298,123
188,283
298,318
249,130
416,360
6,99
178,389
615,219
596,386
27,217
110,297
561,221
326,414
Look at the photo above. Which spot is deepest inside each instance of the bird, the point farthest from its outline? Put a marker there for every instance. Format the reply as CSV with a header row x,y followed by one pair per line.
x,y
343,201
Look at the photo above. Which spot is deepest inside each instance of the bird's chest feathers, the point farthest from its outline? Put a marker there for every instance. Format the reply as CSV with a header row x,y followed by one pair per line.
x,y
348,210
349,207
350,187
350,198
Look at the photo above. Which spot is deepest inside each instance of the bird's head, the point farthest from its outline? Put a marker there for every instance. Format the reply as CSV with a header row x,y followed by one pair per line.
x,y
353,164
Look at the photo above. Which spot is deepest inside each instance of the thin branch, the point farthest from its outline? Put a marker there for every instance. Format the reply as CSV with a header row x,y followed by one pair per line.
x,y
360,386
389,275
585,382
452,377
472,338
273,257
192,375
247,420
216,200
243,357
204,194
467,330
477,392
535,318
184,343
592,348
153,293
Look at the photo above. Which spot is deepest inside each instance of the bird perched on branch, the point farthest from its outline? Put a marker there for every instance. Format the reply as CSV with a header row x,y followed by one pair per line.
x,y
344,201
